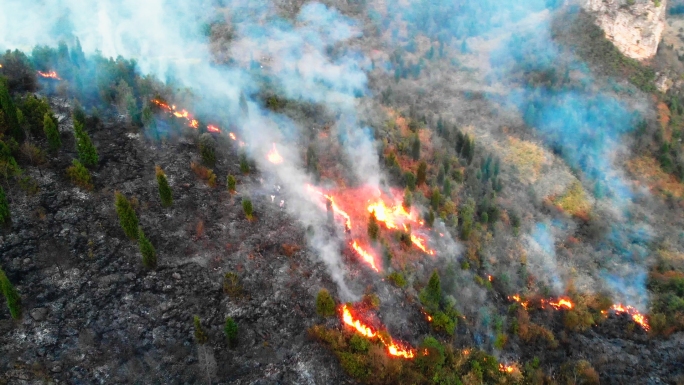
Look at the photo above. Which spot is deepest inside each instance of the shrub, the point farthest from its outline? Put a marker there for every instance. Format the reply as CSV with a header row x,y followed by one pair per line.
x,y
373,227
87,152
232,285
247,208
230,329
127,217
397,279
231,184
201,336
149,254
204,173
5,215
34,110
11,296
444,323
79,175
51,132
421,174
325,304
165,193
10,121
359,344
244,164
371,301
207,149
410,180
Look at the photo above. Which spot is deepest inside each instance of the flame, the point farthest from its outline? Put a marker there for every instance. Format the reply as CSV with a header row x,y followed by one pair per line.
x,y
562,302
336,209
211,128
489,277
50,75
367,257
506,368
393,348
273,156
232,136
634,313
517,299
183,114
420,243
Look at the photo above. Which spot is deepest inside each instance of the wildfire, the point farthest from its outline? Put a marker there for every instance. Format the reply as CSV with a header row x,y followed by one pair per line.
x,y
232,136
183,114
506,368
367,257
50,75
393,348
336,209
634,313
274,157
561,303
519,300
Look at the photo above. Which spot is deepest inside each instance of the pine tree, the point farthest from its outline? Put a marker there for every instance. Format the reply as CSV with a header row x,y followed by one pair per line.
x,y
87,152
421,174
200,335
230,329
430,220
11,296
9,111
434,288
244,164
373,227
127,217
4,208
435,199
415,147
79,175
149,254
325,304
408,200
410,180
231,184
164,190
51,132
247,208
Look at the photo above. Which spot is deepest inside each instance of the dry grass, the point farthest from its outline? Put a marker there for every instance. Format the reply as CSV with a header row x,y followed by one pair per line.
x,y
664,120
648,170
527,157
204,173
574,201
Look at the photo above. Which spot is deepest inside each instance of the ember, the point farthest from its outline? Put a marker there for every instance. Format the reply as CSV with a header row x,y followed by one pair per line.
x,y
506,368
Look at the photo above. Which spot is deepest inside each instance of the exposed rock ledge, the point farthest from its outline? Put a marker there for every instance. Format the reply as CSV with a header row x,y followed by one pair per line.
x,y
635,29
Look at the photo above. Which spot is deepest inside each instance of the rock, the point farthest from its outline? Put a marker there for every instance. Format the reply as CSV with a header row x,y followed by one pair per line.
x,y
663,83
635,29
176,276
39,313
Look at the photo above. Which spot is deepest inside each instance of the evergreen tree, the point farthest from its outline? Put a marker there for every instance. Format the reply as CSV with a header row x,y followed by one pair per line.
x,y
434,289
410,180
435,199
149,254
87,152
421,175
430,220
200,335
127,217
164,190
325,304
9,113
447,188
408,200
51,132
231,184
230,329
4,208
11,296
79,175
373,227
415,147
244,164
247,208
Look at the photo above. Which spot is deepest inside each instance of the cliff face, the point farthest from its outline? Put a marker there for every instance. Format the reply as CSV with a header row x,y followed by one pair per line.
x,y
635,29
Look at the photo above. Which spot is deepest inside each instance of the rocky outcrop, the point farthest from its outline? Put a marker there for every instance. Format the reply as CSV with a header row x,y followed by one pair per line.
x,y
634,26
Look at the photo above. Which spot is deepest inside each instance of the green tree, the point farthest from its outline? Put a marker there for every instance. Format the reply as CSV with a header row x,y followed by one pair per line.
x,y
230,329
415,147
421,175
127,217
5,215
51,132
149,254
244,164
247,208
430,220
87,152
373,227
11,296
325,304
164,190
408,200
410,180
433,291
231,182
467,211
435,199
79,175
201,336
9,113
207,147
447,188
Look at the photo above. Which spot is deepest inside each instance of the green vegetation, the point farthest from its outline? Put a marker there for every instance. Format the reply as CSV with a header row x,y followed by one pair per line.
x,y
79,175
325,304
165,193
415,147
201,336
5,216
87,153
207,149
244,164
231,285
231,183
11,296
247,208
149,254
9,122
373,227
230,329
127,217
421,174
204,173
397,279
408,200
51,132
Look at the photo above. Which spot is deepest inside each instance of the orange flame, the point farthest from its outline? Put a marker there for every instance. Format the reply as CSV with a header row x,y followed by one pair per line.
x,y
211,128
273,156
336,209
634,313
506,368
50,74
232,136
562,302
420,243
517,299
366,256
184,114
393,348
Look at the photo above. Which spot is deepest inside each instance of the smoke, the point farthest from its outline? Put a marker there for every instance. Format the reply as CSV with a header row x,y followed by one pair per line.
x,y
303,59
